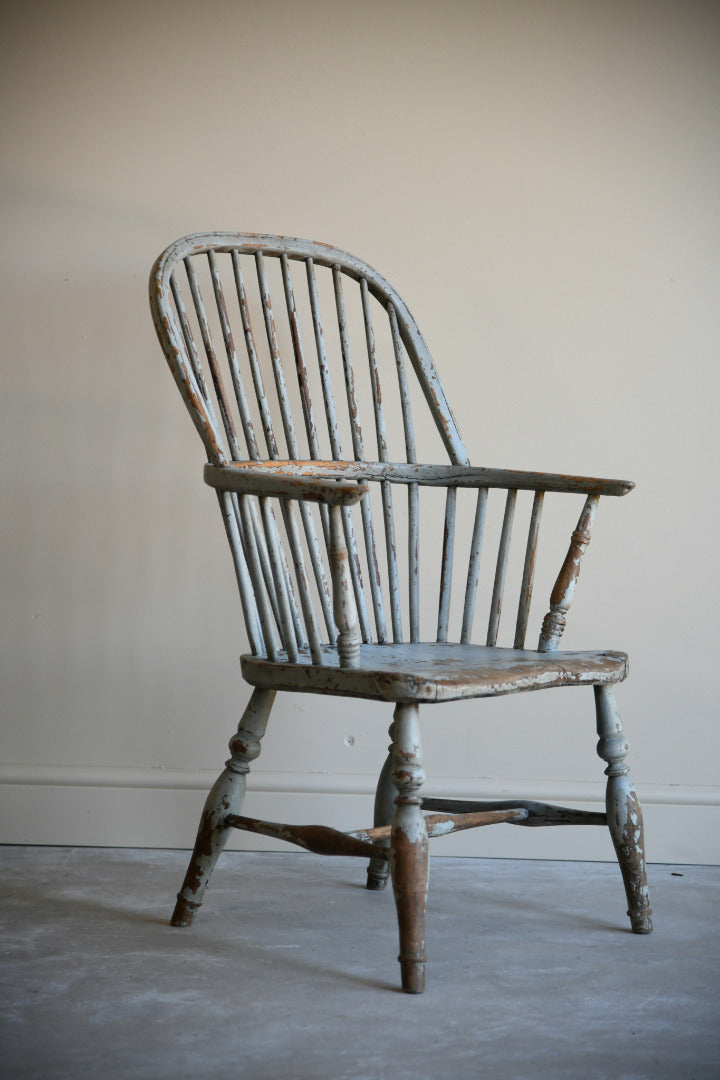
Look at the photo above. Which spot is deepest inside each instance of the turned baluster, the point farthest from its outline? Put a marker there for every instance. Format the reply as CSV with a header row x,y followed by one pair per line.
x,y
564,589
344,609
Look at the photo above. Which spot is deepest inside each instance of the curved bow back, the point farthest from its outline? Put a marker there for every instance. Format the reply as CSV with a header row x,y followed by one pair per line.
x,y
289,349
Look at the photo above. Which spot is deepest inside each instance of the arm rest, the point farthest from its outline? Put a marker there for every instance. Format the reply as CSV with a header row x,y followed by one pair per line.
x,y
402,473
272,480
277,480
471,476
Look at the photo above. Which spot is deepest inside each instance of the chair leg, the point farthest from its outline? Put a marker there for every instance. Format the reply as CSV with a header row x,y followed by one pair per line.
x,y
409,848
624,815
226,797
378,870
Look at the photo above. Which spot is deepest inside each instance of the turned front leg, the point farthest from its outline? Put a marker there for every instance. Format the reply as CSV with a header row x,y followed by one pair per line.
x,y
409,847
226,797
624,815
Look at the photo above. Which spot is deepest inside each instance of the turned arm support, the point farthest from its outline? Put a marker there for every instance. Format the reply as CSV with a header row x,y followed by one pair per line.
x,y
563,591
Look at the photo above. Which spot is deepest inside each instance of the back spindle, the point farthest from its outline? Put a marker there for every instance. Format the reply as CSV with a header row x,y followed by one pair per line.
x,y
255,374
359,452
211,355
501,568
313,445
248,597
348,641
232,358
447,564
474,565
385,486
241,388
413,501
528,577
335,446
272,560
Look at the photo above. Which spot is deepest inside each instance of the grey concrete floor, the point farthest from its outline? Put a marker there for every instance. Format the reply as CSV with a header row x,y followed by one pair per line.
x,y
290,972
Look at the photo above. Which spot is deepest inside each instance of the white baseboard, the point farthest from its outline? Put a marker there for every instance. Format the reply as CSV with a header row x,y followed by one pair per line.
x,y
106,807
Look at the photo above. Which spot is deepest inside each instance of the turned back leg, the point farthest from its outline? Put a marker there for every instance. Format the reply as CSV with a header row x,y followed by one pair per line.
x,y
378,870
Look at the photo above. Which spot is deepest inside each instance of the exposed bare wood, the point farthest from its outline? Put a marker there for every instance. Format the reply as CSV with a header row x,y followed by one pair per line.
x,y
474,565
445,476
414,561
328,256
375,388
288,508
264,591
392,562
501,568
446,568
346,619
445,824
381,434
378,870
624,815
187,372
359,452
564,589
317,838
323,367
213,365
282,591
226,797
533,814
355,574
283,562
409,847
314,446
363,842
426,672
275,483
247,596
277,367
526,588
413,503
233,363
255,373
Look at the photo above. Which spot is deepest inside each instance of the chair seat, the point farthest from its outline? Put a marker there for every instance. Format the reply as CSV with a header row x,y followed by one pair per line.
x,y
435,671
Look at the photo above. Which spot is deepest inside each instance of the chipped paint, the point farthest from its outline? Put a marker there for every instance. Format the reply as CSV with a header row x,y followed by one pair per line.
x,y
275,588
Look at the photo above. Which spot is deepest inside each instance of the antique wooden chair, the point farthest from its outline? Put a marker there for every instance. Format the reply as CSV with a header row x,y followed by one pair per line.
x,y
304,494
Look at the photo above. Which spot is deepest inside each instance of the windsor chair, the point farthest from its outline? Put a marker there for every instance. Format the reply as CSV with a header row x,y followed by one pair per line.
x,y
305,495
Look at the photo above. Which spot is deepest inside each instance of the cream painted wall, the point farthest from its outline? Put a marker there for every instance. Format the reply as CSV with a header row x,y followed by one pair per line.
x,y
540,180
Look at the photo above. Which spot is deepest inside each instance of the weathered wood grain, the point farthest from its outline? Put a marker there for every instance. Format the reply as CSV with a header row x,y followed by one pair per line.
x,y
624,816
435,671
563,591
442,476
409,863
303,565
226,797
